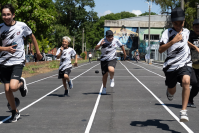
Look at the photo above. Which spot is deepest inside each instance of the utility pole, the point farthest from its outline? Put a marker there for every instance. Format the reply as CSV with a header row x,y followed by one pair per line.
x,y
83,42
73,41
182,4
149,50
85,47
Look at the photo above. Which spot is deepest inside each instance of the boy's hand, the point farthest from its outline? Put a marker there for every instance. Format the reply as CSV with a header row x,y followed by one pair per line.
x,y
39,56
197,49
102,42
61,48
11,49
178,37
75,64
124,56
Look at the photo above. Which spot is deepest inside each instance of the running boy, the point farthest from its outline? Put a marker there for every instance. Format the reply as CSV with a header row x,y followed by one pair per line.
x,y
178,65
12,57
108,57
194,44
65,53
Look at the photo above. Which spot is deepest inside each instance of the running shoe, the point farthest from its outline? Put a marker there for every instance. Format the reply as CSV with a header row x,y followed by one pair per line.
x,y
66,92
183,116
112,83
190,104
23,89
15,116
103,91
70,83
169,96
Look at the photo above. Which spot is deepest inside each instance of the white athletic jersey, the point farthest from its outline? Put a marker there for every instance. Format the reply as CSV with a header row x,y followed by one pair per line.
x,y
65,59
178,55
90,55
13,35
108,49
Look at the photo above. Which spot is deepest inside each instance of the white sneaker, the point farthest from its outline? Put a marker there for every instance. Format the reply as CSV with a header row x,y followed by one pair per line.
x,y
183,115
103,91
112,83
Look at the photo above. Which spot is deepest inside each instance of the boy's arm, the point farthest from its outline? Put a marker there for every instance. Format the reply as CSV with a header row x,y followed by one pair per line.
x,y
176,39
9,49
98,46
75,63
33,39
193,46
124,52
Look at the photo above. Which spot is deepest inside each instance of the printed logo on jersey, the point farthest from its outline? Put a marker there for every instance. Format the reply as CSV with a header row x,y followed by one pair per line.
x,y
18,33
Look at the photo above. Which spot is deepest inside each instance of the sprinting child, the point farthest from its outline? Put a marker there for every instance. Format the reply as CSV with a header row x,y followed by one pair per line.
x,y
12,57
65,53
194,44
178,65
108,57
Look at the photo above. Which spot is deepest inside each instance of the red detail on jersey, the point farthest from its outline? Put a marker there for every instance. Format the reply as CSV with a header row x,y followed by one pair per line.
x,y
18,33
113,44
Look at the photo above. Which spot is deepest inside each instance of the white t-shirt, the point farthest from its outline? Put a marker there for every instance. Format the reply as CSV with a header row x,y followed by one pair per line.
x,y
178,55
65,59
90,55
108,49
13,34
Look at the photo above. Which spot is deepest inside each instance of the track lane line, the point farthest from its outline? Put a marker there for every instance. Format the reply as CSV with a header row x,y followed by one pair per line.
x,y
45,95
177,119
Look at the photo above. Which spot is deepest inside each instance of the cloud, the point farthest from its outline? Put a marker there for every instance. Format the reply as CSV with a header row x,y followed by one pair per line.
x,y
105,13
136,12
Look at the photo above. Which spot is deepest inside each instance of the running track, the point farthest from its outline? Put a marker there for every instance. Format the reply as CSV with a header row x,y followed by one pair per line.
x,y
137,103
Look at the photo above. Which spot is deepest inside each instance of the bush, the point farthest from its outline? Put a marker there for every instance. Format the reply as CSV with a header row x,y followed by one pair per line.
x,y
83,56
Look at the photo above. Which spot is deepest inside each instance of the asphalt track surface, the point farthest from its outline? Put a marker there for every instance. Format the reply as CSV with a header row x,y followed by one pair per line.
x,y
137,103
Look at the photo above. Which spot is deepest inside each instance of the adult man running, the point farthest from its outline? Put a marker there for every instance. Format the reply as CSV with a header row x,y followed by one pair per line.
x,y
108,57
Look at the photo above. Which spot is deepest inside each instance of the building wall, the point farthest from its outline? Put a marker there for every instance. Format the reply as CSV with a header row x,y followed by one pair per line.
x,y
143,44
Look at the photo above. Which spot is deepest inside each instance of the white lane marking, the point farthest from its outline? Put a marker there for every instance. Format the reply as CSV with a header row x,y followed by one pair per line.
x,y
89,125
49,77
46,95
183,124
147,69
150,65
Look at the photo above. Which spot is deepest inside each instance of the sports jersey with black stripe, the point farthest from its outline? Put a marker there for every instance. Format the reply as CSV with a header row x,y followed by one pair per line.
x,y
13,35
65,59
178,55
108,49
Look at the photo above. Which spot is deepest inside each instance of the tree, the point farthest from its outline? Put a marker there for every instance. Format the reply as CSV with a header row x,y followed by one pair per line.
x,y
147,13
39,15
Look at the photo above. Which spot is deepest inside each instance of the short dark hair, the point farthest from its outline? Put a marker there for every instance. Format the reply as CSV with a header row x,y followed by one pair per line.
x,y
9,6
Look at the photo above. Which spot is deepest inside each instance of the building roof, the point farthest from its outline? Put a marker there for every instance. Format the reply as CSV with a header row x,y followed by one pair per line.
x,y
156,21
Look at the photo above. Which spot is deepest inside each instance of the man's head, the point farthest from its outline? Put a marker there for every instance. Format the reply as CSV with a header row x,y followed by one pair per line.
x,y
178,18
109,35
65,41
196,26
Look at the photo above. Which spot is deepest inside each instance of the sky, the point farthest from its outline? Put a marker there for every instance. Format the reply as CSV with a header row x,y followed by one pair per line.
x,y
138,7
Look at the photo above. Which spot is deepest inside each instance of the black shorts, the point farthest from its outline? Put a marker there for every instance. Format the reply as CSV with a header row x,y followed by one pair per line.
x,y
106,64
176,76
10,72
66,71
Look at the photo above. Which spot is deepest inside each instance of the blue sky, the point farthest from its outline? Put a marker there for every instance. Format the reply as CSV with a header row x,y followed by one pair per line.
x,y
104,7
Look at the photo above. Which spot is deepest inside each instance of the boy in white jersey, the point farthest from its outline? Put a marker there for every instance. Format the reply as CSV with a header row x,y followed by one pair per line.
x,y
12,56
178,65
108,57
65,53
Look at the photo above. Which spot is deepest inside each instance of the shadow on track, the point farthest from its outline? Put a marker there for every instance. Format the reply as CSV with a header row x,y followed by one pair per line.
x,y
178,106
153,122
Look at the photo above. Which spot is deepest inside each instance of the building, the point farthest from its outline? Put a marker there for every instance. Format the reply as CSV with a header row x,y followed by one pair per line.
x,y
133,32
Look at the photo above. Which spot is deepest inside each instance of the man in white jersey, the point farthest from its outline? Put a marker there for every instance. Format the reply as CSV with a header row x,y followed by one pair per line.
x,y
108,57
65,53
178,65
12,56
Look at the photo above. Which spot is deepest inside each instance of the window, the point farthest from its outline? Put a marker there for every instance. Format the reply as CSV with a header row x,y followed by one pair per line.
x,y
152,37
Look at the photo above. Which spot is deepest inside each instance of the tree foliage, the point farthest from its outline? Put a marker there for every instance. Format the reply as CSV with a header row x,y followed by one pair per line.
x,y
39,15
189,5
147,13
